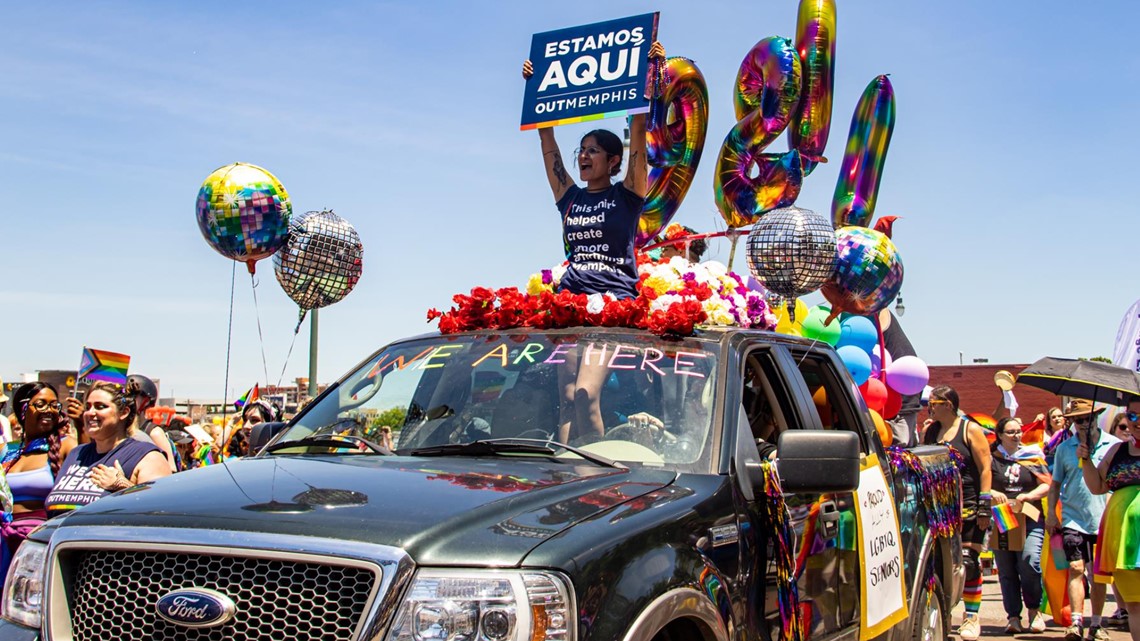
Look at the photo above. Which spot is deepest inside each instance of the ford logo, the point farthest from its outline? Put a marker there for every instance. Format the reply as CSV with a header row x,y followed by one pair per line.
x,y
196,608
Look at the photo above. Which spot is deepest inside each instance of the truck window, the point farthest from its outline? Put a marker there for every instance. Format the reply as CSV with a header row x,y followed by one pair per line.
x,y
830,401
761,403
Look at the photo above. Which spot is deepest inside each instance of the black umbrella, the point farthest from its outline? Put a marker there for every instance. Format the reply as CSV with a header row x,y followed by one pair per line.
x,y
1092,380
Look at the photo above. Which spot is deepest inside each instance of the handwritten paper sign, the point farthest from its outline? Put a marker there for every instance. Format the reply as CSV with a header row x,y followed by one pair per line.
x,y
589,72
883,587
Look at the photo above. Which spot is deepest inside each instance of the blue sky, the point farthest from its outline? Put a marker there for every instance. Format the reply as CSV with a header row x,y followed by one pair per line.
x,y
1011,165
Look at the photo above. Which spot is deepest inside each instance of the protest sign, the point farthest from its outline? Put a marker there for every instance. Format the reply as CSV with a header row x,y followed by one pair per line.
x,y
589,72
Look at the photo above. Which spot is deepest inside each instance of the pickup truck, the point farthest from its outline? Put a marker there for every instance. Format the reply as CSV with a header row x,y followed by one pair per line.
x,y
650,521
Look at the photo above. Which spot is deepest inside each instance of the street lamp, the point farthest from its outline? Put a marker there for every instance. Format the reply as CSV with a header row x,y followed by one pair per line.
x,y
900,307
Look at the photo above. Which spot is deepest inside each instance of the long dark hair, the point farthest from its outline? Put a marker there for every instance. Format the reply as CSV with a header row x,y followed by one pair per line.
x,y
21,399
121,397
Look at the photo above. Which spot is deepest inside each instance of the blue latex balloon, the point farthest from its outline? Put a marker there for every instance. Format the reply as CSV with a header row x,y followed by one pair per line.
x,y
858,331
857,362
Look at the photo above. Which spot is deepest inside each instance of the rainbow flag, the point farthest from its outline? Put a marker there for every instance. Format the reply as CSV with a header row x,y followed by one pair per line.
x,y
101,365
1004,517
251,395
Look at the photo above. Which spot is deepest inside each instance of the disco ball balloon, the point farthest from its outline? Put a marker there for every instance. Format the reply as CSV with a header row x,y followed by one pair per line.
x,y
792,251
322,260
868,272
243,212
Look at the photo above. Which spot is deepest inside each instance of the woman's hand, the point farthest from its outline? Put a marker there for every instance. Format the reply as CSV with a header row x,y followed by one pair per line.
x,y
109,478
656,51
641,419
528,70
997,498
74,408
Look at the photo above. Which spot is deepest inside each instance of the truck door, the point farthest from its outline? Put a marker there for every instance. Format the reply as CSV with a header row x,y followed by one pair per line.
x,y
828,554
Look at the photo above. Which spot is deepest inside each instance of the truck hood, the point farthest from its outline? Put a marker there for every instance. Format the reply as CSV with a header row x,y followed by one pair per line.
x,y
442,511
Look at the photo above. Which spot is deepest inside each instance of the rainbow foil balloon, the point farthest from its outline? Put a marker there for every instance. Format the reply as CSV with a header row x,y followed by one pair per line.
x,y
674,148
868,272
871,127
767,92
815,42
243,212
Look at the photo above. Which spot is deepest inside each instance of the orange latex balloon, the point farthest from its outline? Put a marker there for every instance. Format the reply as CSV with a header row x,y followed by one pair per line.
x,y
884,430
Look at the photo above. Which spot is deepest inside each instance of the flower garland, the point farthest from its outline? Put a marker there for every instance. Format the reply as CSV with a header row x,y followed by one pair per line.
x,y
673,298
936,483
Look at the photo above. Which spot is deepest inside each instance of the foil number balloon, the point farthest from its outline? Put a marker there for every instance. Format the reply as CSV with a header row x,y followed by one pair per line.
x,y
674,148
871,126
243,212
815,42
321,262
767,93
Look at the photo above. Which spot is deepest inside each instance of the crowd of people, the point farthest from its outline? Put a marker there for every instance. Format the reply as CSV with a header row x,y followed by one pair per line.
x,y
1059,487
63,453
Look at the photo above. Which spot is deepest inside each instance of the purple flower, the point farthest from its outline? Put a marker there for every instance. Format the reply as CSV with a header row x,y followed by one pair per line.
x,y
547,277
689,277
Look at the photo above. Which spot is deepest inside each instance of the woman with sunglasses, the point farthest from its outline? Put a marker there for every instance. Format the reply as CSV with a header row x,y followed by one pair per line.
x,y
956,430
1020,478
1118,541
32,464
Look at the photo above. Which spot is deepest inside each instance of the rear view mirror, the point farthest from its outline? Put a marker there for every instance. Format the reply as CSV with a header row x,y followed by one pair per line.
x,y
262,433
818,461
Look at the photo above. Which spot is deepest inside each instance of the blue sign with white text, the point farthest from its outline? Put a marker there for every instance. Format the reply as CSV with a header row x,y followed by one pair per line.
x,y
589,72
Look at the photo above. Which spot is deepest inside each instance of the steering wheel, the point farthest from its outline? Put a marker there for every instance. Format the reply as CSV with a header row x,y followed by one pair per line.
x,y
655,438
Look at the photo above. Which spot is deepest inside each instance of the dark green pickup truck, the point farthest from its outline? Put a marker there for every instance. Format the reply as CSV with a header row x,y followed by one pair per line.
x,y
589,484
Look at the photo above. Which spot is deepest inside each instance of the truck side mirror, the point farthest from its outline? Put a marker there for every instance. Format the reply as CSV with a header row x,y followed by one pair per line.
x,y
262,433
818,461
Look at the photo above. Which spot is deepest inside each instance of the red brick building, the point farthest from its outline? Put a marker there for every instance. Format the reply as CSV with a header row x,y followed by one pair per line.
x,y
978,393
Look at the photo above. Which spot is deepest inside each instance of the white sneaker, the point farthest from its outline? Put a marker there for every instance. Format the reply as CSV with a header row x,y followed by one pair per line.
x,y
970,629
1037,623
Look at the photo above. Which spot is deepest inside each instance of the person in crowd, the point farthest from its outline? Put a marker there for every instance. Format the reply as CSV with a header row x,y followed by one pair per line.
x,y
1081,511
1118,541
1121,427
953,428
253,413
111,460
1021,479
5,423
1056,430
691,250
386,437
904,426
32,464
145,393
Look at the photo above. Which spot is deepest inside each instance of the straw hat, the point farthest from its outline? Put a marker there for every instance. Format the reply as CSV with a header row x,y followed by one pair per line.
x,y
1079,407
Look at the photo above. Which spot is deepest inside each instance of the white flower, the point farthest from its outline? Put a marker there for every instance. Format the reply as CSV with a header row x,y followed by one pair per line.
x,y
595,303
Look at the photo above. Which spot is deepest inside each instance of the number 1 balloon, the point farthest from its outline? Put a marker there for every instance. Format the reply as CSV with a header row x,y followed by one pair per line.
x,y
674,148
871,127
815,42
321,262
243,212
768,89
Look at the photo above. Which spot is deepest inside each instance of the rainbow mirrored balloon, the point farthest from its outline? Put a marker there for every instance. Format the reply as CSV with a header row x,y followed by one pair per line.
x,y
243,212
322,260
791,251
868,272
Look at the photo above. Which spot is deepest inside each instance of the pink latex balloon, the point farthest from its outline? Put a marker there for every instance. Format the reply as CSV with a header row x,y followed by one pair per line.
x,y
908,375
879,362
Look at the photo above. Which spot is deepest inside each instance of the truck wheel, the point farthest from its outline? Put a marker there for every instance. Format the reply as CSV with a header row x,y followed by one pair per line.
x,y
930,622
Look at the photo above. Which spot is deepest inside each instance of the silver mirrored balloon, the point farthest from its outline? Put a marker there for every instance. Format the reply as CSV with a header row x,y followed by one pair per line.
x,y
792,251
321,261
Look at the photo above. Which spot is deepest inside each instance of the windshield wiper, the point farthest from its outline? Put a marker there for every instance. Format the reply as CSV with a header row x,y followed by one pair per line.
x,y
492,446
325,440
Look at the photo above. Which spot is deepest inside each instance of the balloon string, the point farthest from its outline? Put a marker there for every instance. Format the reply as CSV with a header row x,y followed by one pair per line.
x,y
290,354
229,340
260,337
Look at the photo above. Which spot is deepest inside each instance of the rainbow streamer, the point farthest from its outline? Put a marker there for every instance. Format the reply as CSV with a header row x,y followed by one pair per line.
x,y
101,365
1004,517
775,513
937,483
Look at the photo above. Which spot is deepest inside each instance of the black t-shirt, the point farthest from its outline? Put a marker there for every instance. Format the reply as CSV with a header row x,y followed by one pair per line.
x,y
599,230
73,487
897,343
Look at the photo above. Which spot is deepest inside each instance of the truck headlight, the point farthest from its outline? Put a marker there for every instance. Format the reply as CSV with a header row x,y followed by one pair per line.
x,y
492,605
24,588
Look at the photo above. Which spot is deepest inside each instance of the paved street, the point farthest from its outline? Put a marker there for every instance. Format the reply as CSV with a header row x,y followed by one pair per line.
x,y
993,618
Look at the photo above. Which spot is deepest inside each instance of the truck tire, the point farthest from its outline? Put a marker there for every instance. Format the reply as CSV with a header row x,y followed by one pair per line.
x,y
931,622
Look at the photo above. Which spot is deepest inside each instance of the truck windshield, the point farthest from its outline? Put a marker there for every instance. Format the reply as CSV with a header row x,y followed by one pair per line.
x,y
627,396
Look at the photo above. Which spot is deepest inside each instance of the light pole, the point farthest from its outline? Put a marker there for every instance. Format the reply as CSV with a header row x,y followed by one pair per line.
x,y
312,391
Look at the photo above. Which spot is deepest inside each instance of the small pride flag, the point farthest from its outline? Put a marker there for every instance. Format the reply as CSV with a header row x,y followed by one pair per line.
x,y
251,395
1004,517
101,365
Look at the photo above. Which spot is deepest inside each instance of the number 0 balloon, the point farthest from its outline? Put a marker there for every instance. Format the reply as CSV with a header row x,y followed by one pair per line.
x,y
815,42
871,127
243,212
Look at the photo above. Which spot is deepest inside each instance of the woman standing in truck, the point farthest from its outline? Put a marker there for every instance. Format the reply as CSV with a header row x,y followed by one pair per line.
x,y
956,430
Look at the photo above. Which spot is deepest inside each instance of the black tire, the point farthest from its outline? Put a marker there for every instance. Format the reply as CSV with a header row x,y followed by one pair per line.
x,y
930,619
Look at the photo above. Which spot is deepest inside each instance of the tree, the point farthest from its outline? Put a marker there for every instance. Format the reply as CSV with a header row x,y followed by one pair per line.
x,y
1098,359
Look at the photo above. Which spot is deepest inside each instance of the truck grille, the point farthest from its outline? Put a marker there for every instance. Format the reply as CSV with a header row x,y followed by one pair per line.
x,y
115,593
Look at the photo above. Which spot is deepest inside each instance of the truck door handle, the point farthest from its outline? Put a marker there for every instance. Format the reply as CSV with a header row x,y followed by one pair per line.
x,y
828,520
